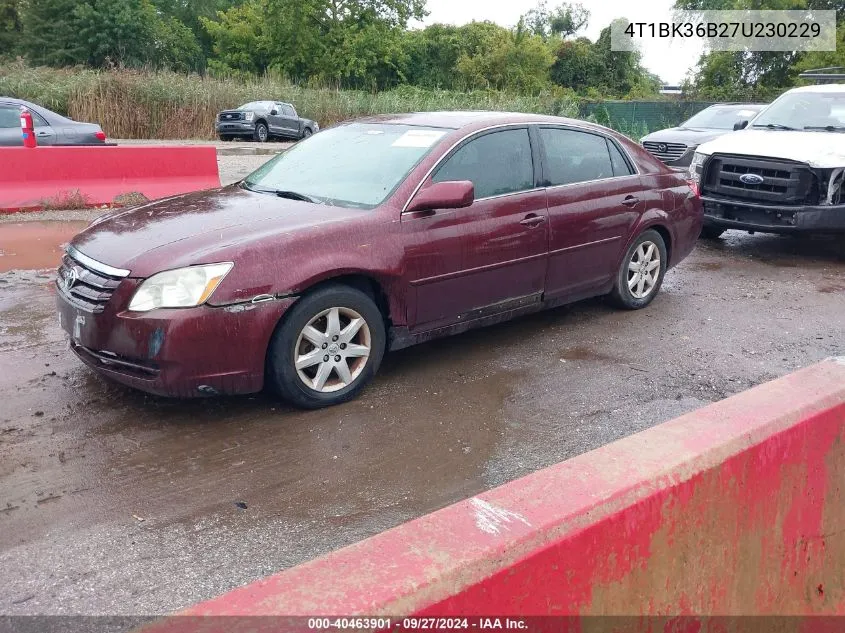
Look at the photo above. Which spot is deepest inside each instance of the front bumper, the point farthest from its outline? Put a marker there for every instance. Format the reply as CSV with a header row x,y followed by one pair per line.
x,y
235,127
186,352
768,218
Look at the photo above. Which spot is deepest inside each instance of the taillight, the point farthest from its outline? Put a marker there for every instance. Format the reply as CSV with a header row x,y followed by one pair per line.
x,y
693,186
101,136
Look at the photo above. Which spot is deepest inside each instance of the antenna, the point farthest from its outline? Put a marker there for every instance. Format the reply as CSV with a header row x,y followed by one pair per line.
x,y
825,75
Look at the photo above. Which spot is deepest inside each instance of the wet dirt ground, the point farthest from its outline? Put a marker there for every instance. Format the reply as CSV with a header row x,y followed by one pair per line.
x,y
112,502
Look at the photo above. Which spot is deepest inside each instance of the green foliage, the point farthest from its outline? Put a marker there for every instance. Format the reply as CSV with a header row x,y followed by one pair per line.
x,y
749,75
515,61
563,21
240,38
10,26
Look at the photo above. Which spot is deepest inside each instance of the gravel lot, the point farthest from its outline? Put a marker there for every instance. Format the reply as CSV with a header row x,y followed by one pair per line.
x,y
112,502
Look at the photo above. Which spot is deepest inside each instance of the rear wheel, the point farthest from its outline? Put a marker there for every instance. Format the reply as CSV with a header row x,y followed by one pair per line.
x,y
641,273
328,347
262,132
711,232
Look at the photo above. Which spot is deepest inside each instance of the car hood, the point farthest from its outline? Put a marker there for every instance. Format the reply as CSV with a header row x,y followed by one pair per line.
x,y
817,149
196,228
690,136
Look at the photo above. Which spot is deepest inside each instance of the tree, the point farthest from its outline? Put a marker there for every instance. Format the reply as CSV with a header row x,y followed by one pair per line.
x,y
563,21
240,40
10,26
752,74
49,34
315,38
510,60
118,32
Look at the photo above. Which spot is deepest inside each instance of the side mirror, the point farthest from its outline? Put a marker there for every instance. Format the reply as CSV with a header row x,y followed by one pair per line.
x,y
741,125
452,194
274,112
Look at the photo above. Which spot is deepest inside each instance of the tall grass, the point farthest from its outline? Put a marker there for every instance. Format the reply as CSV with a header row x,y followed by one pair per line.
x,y
143,104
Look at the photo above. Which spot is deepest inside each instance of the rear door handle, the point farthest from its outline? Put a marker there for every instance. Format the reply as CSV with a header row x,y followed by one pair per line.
x,y
532,220
630,201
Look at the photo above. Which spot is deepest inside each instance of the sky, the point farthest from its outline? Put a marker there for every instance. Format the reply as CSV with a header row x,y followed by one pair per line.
x,y
670,60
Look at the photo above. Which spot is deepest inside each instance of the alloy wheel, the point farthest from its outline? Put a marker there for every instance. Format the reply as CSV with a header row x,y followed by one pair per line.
x,y
332,349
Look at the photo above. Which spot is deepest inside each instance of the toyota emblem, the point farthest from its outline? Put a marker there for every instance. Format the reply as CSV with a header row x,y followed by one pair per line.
x,y
70,278
751,179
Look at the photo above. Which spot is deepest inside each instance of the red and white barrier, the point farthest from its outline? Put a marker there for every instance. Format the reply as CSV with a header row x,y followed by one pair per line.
x,y
99,175
735,509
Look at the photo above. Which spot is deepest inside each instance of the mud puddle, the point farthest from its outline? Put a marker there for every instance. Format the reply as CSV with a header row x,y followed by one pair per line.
x,y
35,245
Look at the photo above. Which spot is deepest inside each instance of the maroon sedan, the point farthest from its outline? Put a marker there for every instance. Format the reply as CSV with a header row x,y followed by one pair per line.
x,y
373,235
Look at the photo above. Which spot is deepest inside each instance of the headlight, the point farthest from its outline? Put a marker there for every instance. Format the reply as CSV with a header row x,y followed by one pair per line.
x,y
695,166
180,288
249,116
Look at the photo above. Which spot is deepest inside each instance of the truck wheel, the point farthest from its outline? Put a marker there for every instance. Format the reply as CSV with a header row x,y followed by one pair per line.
x,y
641,273
306,132
327,348
711,232
262,133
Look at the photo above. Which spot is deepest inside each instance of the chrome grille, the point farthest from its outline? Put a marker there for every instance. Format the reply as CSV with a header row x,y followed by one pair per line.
x,y
84,287
667,152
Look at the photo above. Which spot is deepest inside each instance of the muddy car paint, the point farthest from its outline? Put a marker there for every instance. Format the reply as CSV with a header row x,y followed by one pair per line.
x,y
432,273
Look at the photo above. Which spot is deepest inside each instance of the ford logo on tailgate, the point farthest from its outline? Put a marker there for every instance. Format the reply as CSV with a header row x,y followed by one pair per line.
x,y
751,179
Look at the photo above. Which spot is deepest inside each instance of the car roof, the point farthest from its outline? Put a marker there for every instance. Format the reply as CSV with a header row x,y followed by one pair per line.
x,y
738,105
834,88
456,120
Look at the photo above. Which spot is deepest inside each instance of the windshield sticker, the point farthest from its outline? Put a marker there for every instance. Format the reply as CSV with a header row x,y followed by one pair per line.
x,y
418,138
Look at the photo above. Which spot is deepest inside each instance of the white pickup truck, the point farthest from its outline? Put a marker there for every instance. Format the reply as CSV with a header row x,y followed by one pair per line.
x,y
783,173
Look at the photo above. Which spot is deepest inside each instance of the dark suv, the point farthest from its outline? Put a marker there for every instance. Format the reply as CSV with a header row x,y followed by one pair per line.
x,y
263,120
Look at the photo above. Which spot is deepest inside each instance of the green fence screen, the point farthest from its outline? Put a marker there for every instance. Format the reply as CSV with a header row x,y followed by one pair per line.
x,y
638,118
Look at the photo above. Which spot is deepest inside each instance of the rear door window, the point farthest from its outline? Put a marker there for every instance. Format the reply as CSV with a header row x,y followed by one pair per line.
x,y
621,167
10,117
497,163
573,156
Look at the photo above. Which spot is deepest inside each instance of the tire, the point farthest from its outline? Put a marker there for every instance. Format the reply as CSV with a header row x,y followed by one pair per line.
x,y
307,132
711,232
262,132
643,251
290,342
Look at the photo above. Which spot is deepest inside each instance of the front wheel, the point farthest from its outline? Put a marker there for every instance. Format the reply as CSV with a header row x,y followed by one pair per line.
x,y
307,132
641,273
262,133
328,347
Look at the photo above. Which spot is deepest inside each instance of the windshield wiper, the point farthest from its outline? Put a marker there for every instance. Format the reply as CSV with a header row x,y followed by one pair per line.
x,y
774,126
282,193
827,128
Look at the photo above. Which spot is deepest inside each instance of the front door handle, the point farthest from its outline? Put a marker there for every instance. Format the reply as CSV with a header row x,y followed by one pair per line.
x,y
532,220
630,201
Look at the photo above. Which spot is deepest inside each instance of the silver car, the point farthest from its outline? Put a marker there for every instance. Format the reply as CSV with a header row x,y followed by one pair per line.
x,y
50,128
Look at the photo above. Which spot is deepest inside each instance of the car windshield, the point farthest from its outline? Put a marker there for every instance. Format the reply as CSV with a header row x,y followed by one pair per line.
x,y
255,105
722,117
805,110
356,165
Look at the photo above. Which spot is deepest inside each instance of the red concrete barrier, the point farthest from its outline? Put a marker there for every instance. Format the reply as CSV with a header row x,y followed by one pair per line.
x,y
94,176
735,509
